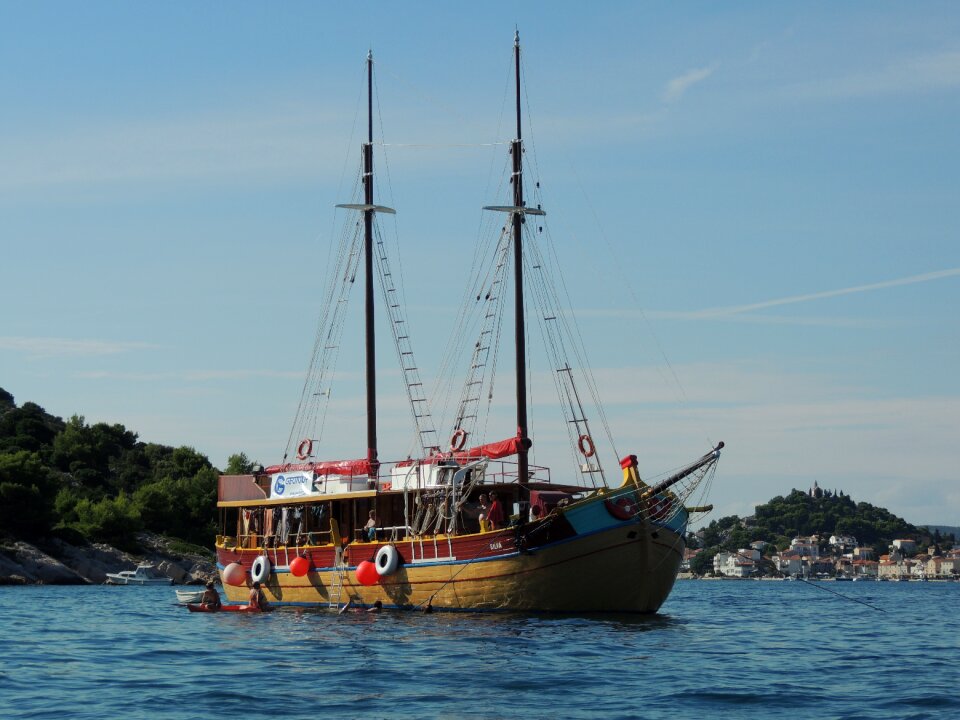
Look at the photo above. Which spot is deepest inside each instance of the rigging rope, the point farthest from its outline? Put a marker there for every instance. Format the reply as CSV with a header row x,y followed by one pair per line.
x,y
443,145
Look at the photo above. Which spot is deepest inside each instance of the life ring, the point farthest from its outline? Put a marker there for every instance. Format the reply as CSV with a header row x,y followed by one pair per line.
x,y
458,439
623,508
305,449
260,570
387,560
585,443
661,508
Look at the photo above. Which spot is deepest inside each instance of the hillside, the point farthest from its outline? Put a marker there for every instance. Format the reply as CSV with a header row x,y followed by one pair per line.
x,y
81,483
944,530
800,513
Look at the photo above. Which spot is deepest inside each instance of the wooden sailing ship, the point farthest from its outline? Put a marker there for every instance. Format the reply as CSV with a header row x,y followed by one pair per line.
x,y
423,532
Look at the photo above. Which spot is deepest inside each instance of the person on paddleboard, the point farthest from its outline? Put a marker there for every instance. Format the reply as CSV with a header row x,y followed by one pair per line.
x,y
211,598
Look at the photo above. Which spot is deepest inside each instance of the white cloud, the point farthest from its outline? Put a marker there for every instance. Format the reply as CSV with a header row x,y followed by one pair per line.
x,y
678,86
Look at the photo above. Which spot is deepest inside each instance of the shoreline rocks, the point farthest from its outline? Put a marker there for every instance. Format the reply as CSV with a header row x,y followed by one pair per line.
x,y
55,562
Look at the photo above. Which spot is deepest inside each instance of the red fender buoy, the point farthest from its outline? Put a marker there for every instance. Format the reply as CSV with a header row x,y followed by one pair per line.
x,y
299,566
367,573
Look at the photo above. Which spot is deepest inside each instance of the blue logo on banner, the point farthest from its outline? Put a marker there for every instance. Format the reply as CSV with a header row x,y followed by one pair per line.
x,y
278,486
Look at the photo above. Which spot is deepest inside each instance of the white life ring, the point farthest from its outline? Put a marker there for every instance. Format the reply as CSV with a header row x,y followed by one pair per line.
x,y
260,570
387,560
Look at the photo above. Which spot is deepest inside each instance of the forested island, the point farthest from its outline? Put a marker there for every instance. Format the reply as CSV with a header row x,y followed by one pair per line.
x,y
811,513
70,483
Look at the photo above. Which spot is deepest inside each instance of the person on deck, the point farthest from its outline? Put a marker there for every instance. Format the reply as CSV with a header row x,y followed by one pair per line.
x,y
495,519
484,507
370,529
211,598
257,599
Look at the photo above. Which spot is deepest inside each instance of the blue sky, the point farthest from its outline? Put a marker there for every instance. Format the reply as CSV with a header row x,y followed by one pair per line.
x,y
756,204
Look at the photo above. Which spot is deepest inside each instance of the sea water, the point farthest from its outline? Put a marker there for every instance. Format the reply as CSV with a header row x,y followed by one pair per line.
x,y
729,649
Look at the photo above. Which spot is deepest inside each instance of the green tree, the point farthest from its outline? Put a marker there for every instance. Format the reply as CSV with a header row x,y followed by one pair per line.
x,y
88,452
22,510
29,427
181,462
26,508
184,508
157,503
109,520
702,563
239,464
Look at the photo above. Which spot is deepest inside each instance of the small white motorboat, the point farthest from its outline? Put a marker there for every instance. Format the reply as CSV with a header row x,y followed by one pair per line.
x,y
143,575
186,597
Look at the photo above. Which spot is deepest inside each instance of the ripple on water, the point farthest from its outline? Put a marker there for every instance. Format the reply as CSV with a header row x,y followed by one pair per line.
x,y
736,650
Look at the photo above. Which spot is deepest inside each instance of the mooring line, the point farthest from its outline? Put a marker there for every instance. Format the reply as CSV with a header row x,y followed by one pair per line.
x,y
845,597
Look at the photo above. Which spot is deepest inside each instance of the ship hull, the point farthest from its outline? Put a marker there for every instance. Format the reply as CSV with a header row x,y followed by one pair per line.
x,y
589,562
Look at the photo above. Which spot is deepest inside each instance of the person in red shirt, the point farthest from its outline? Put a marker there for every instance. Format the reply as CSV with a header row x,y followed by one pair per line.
x,y
495,519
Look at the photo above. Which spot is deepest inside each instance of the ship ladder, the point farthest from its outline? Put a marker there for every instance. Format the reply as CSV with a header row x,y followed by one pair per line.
x,y
339,575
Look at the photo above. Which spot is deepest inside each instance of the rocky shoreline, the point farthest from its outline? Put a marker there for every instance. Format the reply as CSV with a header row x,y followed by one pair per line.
x,y
56,562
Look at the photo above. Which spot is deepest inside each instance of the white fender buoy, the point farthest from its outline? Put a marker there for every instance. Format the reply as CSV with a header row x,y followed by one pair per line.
x,y
387,560
260,570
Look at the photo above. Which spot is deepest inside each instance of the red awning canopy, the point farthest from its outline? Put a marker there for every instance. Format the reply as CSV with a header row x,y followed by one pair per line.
x,y
327,467
494,450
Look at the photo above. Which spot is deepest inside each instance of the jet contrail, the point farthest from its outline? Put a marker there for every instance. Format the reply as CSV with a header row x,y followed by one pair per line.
x,y
738,309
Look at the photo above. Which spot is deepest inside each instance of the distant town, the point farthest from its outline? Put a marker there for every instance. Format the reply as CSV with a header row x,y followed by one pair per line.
x,y
726,548
839,557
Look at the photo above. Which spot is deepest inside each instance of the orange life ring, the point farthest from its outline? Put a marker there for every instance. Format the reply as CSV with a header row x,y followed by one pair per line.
x,y
305,449
585,443
623,508
458,439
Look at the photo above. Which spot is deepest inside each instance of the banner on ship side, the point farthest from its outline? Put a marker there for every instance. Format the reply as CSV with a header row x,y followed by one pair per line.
x,y
292,485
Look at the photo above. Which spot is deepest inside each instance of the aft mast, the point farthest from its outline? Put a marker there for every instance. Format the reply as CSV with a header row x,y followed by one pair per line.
x,y
519,211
